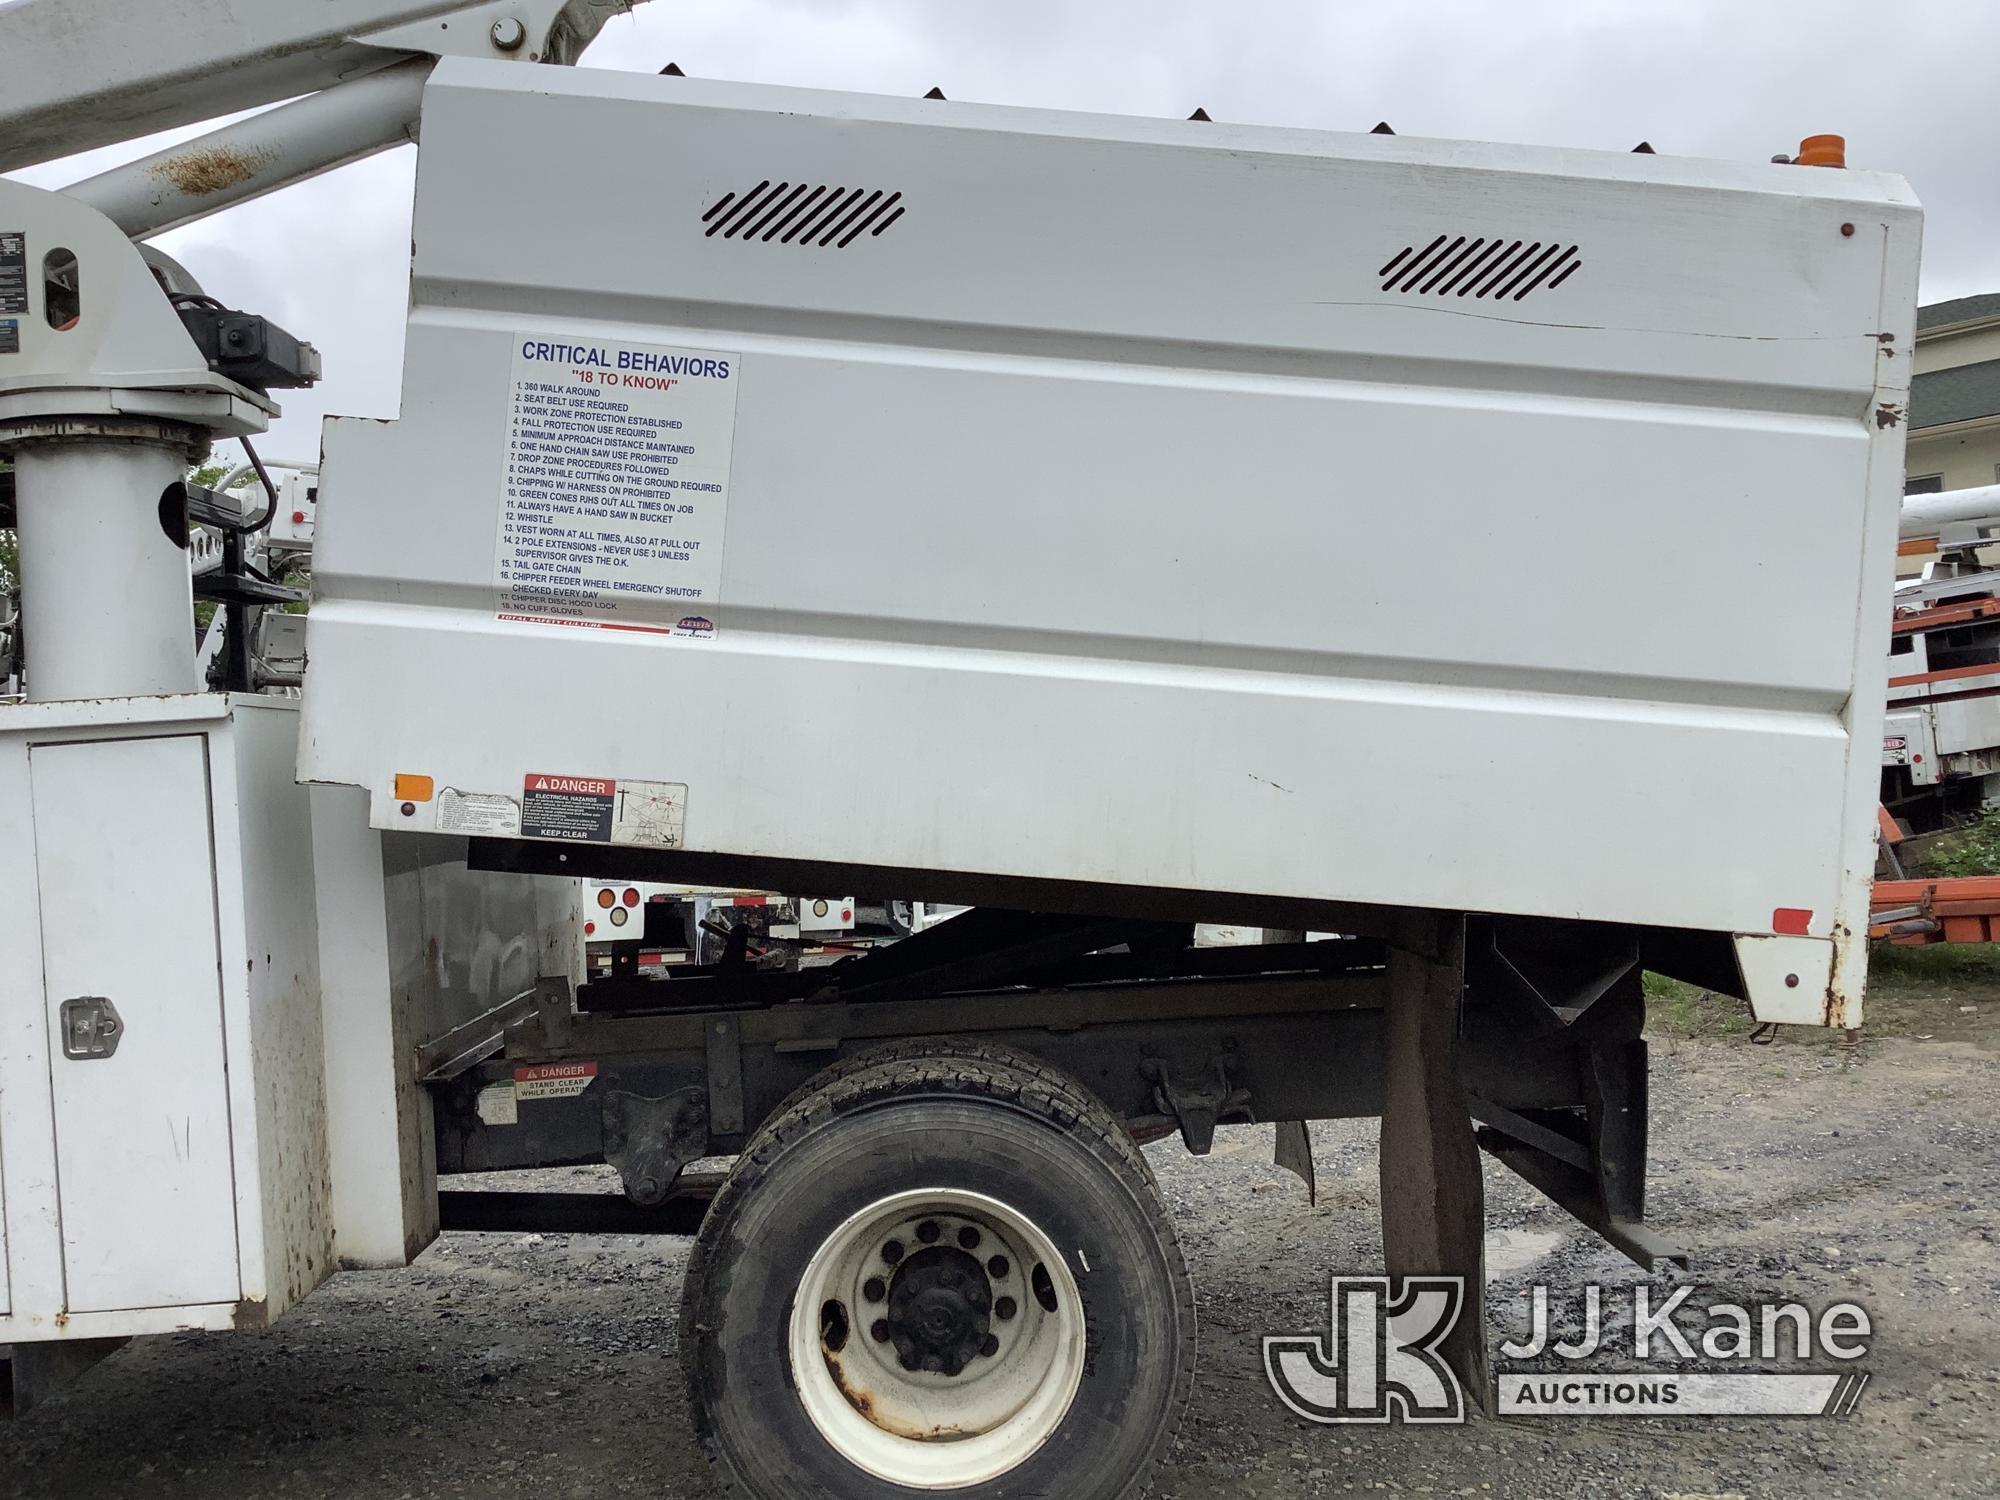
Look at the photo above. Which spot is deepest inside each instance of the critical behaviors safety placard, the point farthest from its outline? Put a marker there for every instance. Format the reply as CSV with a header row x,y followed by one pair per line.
x,y
616,487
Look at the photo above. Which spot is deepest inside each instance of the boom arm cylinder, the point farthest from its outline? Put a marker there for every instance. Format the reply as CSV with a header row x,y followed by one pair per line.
x,y
261,154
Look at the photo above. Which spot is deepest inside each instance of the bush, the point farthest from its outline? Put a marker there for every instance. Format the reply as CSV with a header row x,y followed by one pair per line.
x,y
1973,850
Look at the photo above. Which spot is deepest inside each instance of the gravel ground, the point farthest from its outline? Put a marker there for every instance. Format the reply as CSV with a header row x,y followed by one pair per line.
x,y
504,1366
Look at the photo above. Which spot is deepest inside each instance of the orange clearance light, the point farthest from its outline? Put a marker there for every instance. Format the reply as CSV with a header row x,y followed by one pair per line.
x,y
631,896
1822,151
412,788
606,897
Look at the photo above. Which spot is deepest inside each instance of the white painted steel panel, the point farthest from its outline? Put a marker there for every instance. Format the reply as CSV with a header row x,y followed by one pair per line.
x,y
411,944
1115,499
143,1150
6,1268
278,1083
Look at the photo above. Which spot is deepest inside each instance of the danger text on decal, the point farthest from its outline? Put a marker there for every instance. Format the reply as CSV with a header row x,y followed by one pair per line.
x,y
581,785
553,1080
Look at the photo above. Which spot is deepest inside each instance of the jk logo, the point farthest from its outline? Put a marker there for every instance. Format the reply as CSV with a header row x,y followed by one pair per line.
x,y
1378,1360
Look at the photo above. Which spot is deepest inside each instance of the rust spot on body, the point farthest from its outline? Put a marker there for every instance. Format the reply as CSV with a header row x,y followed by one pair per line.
x,y
1839,1010
211,169
1888,414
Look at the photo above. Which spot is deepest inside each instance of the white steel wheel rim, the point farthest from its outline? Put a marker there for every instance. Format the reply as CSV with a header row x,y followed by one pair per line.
x,y
927,1428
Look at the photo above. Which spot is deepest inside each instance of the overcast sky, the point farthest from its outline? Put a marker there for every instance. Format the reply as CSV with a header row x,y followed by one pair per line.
x,y
1910,85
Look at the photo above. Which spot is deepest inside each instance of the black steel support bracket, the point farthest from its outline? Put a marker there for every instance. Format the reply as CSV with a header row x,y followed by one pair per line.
x,y
1591,1162
1199,1108
649,1141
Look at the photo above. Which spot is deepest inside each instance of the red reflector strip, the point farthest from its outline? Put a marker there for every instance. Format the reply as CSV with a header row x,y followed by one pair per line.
x,y
1791,921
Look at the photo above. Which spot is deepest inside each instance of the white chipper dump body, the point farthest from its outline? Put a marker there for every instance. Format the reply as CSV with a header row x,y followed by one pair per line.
x,y
1473,553
1161,506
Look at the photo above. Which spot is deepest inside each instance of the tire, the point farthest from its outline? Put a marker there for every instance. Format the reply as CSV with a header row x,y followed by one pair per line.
x,y
1077,1388
917,1049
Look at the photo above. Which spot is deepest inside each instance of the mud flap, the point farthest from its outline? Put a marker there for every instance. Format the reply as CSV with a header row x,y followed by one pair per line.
x,y
1433,1196
1293,1153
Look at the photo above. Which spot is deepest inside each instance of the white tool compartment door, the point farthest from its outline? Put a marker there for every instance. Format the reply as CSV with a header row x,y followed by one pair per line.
x,y
142,1134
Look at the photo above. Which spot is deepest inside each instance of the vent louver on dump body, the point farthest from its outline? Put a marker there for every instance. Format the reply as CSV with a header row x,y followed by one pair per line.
x,y
1498,268
803,213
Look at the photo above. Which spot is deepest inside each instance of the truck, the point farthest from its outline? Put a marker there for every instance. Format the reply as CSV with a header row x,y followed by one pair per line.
x,y
649,924
1114,419
1941,740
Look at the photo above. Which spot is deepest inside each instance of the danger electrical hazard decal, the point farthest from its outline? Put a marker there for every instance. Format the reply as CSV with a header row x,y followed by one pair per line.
x,y
567,807
598,810
553,1080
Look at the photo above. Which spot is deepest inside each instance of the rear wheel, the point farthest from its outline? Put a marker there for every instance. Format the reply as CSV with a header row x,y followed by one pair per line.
x,y
947,1272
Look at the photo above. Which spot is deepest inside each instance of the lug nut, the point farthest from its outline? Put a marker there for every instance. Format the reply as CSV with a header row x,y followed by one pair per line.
x,y
873,1289
879,1330
968,1238
998,1268
893,1251
928,1231
1004,1309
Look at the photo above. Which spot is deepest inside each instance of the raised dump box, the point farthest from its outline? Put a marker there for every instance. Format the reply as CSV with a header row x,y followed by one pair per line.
x,y
1060,510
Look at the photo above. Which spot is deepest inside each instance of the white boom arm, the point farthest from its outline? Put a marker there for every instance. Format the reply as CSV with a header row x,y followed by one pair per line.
x,y
1952,515
88,73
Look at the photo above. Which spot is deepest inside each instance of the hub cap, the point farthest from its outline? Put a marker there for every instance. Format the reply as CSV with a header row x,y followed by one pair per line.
x,y
937,1338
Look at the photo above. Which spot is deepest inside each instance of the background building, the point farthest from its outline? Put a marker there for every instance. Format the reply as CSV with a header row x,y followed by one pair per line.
x,y
1954,439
